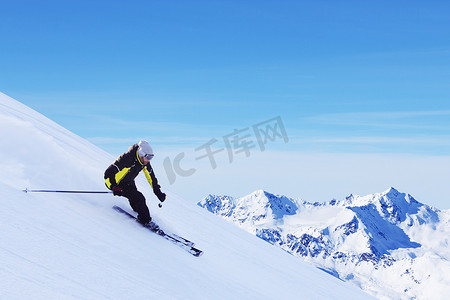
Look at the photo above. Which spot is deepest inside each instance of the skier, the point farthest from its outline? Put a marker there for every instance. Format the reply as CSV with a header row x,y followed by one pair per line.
x,y
119,177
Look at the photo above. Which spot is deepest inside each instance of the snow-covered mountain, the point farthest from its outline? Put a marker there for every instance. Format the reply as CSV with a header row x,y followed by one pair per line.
x,y
72,246
389,244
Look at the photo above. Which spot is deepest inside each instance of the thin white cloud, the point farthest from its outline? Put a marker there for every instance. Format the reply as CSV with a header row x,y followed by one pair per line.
x,y
426,120
381,115
441,140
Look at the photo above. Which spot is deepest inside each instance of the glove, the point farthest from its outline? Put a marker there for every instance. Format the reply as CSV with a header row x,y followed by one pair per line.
x,y
117,191
161,197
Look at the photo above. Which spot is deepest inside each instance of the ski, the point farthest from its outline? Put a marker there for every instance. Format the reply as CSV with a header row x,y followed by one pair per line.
x,y
155,228
181,242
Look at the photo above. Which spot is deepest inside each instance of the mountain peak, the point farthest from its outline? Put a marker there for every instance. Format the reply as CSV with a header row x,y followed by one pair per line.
x,y
260,204
216,204
392,191
259,193
393,205
395,197
278,205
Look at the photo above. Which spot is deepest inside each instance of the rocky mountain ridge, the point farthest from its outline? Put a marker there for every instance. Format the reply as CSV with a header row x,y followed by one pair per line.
x,y
387,243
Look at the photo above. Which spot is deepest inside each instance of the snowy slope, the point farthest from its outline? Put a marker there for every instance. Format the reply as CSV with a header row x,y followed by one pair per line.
x,y
389,244
69,246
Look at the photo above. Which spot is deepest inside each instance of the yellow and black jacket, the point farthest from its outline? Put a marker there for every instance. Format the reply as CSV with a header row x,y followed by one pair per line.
x,y
125,169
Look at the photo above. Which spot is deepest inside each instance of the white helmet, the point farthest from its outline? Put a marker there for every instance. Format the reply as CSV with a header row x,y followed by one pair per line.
x,y
145,150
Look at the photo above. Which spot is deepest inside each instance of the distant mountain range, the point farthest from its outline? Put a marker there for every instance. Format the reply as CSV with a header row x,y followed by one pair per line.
x,y
389,244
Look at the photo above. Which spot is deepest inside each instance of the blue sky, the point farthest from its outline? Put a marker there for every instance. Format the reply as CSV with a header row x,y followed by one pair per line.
x,y
345,77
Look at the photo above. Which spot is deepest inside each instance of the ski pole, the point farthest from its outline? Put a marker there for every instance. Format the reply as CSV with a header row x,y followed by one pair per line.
x,y
71,192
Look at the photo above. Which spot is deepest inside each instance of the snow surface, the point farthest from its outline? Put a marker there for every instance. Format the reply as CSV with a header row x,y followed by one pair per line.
x,y
75,246
389,244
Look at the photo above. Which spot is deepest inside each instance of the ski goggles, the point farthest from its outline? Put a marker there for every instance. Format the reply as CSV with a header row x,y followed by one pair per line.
x,y
149,156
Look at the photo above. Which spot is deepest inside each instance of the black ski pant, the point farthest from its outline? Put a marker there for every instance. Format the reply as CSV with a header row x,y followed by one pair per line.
x,y
137,202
